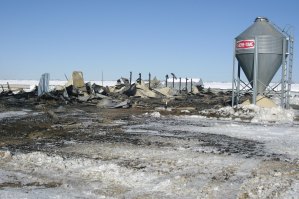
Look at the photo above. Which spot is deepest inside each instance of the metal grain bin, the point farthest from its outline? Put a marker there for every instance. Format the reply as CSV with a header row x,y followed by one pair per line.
x,y
264,40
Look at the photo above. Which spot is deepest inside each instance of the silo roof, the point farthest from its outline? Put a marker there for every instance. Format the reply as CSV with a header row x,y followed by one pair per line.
x,y
261,26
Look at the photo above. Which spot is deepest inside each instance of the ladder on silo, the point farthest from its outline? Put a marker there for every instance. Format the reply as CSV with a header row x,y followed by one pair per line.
x,y
290,69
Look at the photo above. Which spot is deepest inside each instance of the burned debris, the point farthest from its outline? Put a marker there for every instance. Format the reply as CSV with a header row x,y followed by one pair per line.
x,y
150,93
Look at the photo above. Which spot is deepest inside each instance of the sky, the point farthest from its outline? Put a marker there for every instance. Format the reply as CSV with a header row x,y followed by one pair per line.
x,y
190,38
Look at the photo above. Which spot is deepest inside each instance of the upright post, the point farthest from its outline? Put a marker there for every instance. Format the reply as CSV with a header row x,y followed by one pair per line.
x,y
149,80
186,84
180,85
290,66
255,71
139,78
238,83
233,76
130,78
191,86
172,81
166,78
283,76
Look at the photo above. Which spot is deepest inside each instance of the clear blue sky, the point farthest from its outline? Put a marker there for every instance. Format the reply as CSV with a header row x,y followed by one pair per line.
x,y
187,37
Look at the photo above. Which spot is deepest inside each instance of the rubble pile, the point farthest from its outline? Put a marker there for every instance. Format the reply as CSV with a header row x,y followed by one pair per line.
x,y
123,94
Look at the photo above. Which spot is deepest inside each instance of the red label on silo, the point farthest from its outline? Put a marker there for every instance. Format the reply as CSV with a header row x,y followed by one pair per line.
x,y
245,44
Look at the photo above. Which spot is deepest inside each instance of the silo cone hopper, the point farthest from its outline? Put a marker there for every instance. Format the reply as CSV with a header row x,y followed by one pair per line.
x,y
260,51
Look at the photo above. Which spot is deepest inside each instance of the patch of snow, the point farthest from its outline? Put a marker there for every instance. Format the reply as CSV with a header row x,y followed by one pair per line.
x,y
185,111
10,114
279,138
5,154
52,83
252,113
278,115
155,114
218,85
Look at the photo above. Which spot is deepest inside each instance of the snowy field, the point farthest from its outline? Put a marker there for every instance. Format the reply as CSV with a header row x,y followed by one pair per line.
x,y
53,83
244,153
187,157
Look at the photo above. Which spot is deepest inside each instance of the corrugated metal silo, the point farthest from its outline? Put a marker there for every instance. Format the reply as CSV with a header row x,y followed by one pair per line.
x,y
260,50
270,50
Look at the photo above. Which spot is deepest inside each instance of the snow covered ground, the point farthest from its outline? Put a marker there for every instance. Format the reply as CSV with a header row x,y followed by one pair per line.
x,y
52,83
177,157
32,83
245,152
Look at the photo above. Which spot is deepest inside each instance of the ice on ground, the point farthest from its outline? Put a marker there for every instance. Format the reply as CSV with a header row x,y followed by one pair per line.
x,y
10,114
74,174
252,113
277,138
168,160
125,171
159,173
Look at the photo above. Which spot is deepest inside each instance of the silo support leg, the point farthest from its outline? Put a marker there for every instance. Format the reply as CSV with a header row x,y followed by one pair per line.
x,y
255,71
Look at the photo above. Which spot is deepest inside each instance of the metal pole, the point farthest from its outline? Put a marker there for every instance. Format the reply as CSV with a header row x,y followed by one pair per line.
x,y
130,78
191,86
172,81
180,85
233,80
290,67
186,84
166,77
283,76
149,80
255,70
238,83
140,77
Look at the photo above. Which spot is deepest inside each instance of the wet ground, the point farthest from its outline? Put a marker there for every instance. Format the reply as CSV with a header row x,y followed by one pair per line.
x,y
43,120
81,151
48,125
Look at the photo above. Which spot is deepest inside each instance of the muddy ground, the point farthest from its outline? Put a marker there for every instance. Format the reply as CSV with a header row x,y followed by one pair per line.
x,y
138,142
54,120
